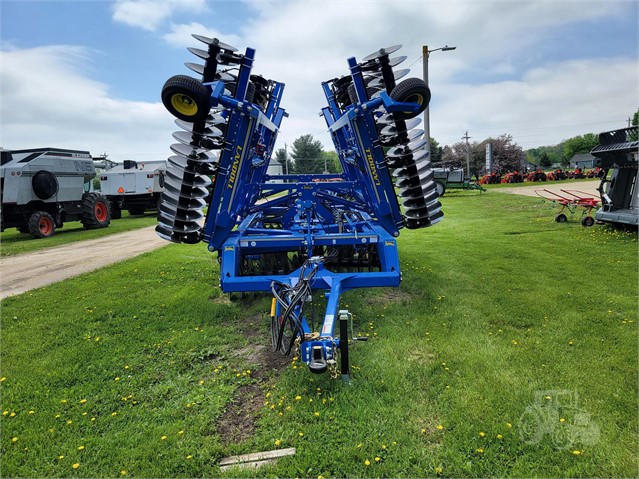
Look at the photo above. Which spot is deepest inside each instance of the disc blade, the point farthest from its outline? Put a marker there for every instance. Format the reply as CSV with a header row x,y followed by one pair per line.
x,y
196,67
407,149
208,131
381,52
397,60
214,41
198,52
401,73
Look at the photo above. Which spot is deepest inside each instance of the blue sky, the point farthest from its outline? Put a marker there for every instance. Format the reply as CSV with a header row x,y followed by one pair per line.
x,y
88,74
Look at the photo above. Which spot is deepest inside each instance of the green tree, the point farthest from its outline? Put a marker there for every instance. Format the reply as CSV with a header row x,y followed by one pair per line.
x,y
544,160
282,157
436,151
331,161
577,145
307,155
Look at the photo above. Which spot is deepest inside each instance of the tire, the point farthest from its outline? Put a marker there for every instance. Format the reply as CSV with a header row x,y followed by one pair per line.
x,y
186,98
136,210
44,184
116,211
411,90
440,187
561,218
587,221
95,211
41,225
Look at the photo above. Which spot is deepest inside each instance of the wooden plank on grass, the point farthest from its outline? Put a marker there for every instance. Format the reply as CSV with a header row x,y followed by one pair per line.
x,y
257,456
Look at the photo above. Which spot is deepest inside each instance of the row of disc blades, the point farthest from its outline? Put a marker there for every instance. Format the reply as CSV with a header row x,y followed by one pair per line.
x,y
193,162
408,156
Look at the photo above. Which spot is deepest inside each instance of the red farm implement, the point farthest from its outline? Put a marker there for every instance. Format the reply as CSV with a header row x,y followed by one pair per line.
x,y
570,201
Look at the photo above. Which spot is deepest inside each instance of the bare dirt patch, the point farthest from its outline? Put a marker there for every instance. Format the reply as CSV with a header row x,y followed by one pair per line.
x,y
239,421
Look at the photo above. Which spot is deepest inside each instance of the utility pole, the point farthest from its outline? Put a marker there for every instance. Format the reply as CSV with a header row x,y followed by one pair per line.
x,y
629,122
286,158
425,54
466,137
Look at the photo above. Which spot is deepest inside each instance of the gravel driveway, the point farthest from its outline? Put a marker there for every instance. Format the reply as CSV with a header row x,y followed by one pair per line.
x,y
28,271
589,187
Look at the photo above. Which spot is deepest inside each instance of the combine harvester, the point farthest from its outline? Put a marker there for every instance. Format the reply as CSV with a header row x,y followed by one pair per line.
x,y
295,235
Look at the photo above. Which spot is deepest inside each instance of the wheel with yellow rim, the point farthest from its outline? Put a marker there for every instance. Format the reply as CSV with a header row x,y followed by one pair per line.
x,y
186,98
411,90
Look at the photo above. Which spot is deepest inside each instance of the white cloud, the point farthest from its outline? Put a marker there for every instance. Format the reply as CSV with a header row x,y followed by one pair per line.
x,y
67,110
547,105
149,14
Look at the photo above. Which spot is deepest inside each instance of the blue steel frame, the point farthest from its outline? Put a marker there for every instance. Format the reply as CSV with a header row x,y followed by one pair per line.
x,y
356,208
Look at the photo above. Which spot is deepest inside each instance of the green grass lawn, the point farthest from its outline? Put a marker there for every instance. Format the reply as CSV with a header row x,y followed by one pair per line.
x,y
13,242
506,323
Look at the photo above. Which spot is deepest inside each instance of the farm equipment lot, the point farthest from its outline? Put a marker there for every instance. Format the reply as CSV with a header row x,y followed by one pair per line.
x,y
490,312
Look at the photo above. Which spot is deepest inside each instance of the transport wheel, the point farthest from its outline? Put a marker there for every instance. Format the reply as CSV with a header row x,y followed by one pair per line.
x,y
95,211
587,221
186,98
411,90
561,218
41,224
441,188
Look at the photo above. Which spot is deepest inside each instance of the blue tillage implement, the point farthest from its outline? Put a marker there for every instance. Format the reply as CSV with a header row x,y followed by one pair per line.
x,y
297,234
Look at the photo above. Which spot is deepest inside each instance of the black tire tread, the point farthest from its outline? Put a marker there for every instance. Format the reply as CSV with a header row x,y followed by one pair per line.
x,y
88,217
407,88
34,224
195,88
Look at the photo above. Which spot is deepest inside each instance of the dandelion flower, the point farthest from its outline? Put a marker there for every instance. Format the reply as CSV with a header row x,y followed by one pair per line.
x,y
423,431
3,379
180,432
482,434
509,425
316,414
4,413
76,465
82,401
114,413
438,470
561,419
14,439
117,379
123,472
63,401
301,434
189,457
278,442
32,412
576,452
60,457
93,419
163,438
479,450
13,414
297,398
80,448
367,462
440,427
499,436
377,458
69,421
